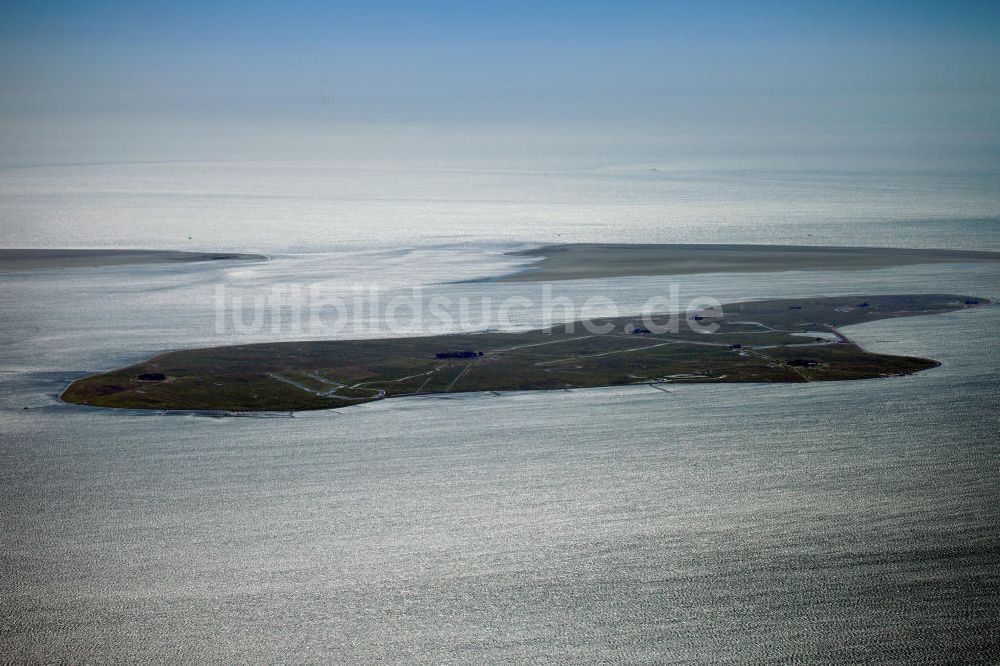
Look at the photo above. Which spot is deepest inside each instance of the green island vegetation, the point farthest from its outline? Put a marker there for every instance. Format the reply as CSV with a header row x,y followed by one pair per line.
x,y
760,341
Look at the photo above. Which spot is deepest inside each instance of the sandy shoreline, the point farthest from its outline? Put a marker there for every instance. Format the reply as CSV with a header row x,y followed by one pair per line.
x,y
586,260
28,260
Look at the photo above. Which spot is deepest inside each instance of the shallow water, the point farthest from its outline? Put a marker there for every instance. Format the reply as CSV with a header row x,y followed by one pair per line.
x,y
914,193
828,522
847,522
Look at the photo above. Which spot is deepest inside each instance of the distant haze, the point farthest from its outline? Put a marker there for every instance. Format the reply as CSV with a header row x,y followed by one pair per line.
x,y
123,81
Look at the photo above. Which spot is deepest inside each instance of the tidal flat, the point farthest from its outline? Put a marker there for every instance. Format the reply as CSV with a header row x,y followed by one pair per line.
x,y
601,260
17,260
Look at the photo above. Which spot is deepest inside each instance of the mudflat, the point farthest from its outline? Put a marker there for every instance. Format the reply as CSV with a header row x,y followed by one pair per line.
x,y
16,260
588,260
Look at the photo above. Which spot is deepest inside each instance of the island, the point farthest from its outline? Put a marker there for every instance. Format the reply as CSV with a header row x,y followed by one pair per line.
x,y
594,260
17,260
788,340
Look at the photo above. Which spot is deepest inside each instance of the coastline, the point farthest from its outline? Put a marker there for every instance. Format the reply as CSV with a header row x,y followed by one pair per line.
x,y
597,260
311,375
20,260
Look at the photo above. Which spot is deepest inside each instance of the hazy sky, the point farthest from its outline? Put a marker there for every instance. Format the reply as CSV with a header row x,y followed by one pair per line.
x,y
147,77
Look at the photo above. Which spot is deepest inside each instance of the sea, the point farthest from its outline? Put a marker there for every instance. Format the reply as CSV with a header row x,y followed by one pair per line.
x,y
841,522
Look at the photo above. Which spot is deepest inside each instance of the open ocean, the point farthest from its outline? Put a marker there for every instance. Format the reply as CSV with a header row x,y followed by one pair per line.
x,y
847,522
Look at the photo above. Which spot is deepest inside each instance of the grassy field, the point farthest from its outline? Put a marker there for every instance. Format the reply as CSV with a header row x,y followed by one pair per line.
x,y
762,341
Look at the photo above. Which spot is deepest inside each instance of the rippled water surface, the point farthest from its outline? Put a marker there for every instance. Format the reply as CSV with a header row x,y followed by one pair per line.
x,y
825,522
852,522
